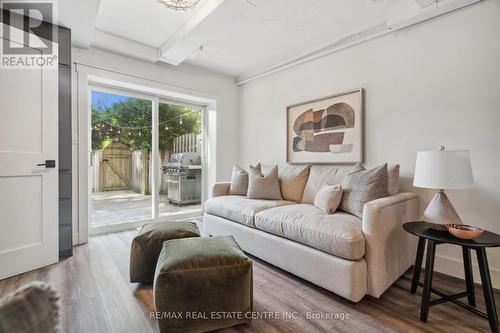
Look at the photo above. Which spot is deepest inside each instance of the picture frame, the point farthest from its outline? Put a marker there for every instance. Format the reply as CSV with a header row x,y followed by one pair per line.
x,y
327,130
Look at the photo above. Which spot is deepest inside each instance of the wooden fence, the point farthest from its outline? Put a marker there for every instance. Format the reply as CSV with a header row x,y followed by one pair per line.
x,y
118,168
187,143
112,168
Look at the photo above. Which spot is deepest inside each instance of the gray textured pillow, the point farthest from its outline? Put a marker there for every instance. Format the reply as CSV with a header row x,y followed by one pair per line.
x,y
31,309
393,172
239,181
264,187
328,198
364,186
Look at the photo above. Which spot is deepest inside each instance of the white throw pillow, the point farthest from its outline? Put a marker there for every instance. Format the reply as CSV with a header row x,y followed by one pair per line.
x,y
328,198
264,187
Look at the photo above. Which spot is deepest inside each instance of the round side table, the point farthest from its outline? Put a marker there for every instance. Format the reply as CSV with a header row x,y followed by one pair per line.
x,y
434,237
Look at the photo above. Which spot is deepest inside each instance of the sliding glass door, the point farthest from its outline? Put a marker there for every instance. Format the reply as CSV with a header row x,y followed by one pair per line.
x,y
136,177
121,141
180,153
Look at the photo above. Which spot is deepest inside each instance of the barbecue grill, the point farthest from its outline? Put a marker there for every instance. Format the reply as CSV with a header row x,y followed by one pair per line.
x,y
183,178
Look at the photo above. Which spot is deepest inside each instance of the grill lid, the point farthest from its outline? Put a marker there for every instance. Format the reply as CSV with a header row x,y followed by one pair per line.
x,y
189,158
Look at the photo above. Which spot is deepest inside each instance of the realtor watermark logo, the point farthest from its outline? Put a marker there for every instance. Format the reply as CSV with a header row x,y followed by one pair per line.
x,y
28,33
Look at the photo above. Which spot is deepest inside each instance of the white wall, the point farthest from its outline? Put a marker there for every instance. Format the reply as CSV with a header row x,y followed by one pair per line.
x,y
435,83
186,80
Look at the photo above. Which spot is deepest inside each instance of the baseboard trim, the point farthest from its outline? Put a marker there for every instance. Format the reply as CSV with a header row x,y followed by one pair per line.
x,y
455,267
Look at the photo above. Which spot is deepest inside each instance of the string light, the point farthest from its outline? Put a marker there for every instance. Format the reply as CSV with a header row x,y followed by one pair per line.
x,y
103,123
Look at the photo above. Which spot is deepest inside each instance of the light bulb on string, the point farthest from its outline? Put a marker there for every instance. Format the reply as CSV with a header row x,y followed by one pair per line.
x,y
180,121
166,128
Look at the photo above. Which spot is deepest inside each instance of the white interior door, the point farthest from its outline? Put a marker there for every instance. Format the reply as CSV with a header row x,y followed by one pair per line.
x,y
28,193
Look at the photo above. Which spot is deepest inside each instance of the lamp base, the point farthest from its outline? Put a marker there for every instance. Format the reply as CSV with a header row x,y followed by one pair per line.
x,y
440,211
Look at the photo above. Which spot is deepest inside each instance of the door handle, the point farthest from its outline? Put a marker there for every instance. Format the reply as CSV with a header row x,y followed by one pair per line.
x,y
48,164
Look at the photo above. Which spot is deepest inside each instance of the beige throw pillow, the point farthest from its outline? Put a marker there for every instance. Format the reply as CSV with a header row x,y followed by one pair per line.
x,y
328,198
239,181
393,170
292,178
364,186
264,187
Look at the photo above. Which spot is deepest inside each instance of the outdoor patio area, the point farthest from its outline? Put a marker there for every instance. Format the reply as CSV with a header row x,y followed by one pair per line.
x,y
116,207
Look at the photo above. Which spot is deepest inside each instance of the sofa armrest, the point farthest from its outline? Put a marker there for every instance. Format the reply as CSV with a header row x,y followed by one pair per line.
x,y
389,250
220,189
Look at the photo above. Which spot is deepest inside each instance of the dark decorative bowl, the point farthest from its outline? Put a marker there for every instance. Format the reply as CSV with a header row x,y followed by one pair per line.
x,y
464,231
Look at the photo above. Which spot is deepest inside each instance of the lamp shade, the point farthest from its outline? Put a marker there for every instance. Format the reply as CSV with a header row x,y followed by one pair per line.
x,y
443,169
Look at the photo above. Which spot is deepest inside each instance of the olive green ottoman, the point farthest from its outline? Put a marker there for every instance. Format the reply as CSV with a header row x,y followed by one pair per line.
x,y
202,284
147,245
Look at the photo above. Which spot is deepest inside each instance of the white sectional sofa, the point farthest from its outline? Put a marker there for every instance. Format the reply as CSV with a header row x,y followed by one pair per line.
x,y
343,253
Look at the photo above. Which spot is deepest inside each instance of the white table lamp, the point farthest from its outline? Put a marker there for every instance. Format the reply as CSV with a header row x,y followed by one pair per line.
x,y
443,169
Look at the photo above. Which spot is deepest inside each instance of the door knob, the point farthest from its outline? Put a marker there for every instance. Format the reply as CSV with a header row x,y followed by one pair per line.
x,y
48,164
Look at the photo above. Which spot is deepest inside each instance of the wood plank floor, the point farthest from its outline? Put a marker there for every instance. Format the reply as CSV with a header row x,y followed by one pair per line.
x,y
96,296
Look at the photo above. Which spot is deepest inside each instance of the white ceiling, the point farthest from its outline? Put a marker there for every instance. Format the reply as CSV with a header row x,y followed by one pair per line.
x,y
276,31
237,37
143,21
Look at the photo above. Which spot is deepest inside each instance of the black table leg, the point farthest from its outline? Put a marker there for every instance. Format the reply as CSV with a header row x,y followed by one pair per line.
x,y
429,268
418,264
489,299
469,277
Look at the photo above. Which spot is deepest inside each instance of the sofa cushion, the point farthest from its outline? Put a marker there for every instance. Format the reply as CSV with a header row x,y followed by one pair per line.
x,y
323,175
364,186
240,209
338,234
293,179
262,186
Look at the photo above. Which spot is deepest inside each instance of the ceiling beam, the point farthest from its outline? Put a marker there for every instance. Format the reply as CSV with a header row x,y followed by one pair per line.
x,y
178,48
443,8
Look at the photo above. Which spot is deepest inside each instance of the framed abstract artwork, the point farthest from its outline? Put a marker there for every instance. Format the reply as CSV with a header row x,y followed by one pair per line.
x,y
326,130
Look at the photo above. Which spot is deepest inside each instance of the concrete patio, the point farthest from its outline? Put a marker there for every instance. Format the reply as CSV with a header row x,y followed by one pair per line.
x,y
115,207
